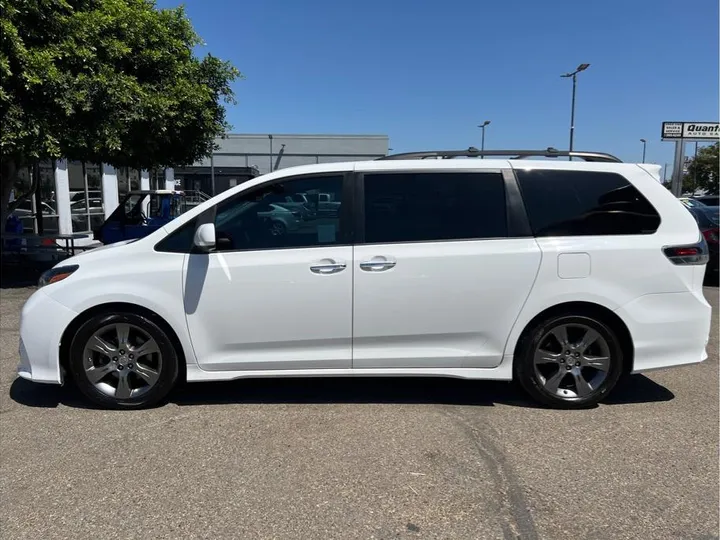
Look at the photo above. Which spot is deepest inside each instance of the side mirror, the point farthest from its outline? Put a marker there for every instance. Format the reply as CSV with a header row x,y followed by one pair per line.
x,y
204,238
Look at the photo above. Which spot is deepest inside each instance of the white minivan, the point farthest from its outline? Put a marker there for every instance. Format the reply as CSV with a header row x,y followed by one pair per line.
x,y
561,275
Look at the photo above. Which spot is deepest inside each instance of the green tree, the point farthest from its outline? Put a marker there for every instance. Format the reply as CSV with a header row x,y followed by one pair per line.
x,y
703,171
105,81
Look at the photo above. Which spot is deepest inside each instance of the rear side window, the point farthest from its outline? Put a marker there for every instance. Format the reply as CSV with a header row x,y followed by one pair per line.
x,y
426,207
585,203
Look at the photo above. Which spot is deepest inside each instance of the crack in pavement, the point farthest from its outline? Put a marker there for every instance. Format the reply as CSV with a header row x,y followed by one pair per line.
x,y
518,520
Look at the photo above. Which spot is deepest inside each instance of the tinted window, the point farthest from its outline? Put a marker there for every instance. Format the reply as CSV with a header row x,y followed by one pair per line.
x,y
709,200
267,217
582,203
415,207
180,241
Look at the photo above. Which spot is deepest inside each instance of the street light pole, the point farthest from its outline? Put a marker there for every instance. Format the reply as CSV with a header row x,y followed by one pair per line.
x,y
581,67
644,145
482,141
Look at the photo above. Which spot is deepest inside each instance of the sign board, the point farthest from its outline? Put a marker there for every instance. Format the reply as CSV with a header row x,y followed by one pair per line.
x,y
690,131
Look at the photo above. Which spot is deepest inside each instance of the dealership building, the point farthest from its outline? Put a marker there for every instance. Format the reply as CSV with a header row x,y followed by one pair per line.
x,y
76,197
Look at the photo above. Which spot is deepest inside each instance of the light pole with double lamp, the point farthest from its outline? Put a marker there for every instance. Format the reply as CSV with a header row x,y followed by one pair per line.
x,y
581,67
482,141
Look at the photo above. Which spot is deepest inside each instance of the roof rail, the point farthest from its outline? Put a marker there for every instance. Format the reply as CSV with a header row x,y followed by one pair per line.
x,y
511,154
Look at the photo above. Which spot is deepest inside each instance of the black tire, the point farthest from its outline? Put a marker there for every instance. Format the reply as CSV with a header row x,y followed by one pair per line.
x,y
525,373
167,373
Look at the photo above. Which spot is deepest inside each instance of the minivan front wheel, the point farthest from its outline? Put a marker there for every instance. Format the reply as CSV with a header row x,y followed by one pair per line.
x,y
569,361
123,361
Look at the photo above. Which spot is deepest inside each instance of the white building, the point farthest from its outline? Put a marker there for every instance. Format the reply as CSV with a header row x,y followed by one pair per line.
x,y
76,197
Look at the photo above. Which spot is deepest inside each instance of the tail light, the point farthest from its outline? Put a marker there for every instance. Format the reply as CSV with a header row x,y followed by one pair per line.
x,y
691,254
711,236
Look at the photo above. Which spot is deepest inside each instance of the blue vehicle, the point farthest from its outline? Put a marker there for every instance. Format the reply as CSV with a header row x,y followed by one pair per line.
x,y
139,214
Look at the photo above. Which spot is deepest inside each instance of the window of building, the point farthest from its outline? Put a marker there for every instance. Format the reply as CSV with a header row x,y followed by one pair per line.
x,y
47,195
28,210
157,179
121,174
127,180
270,217
24,210
87,210
426,207
585,203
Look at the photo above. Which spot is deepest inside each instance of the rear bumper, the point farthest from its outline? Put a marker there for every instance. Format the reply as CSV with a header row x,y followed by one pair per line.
x,y
42,323
671,329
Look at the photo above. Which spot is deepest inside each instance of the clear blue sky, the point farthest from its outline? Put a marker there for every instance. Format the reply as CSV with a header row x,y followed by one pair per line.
x,y
426,72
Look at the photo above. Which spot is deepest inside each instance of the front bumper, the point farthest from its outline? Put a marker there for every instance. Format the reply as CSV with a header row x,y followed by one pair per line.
x,y
42,323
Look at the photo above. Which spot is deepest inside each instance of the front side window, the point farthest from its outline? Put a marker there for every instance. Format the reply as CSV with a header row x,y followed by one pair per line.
x,y
270,217
584,203
263,218
434,206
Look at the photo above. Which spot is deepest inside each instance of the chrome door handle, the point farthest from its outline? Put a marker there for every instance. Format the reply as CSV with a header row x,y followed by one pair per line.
x,y
330,268
376,266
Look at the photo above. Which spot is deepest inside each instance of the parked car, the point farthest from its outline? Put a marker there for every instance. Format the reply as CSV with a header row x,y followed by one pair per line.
x,y
321,204
139,214
299,205
76,196
24,208
708,220
690,202
561,275
327,206
708,200
282,219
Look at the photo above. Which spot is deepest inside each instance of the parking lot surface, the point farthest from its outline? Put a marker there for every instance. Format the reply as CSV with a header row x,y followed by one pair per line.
x,y
360,458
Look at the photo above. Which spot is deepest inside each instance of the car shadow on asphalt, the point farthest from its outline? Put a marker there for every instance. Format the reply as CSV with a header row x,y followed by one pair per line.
x,y
343,390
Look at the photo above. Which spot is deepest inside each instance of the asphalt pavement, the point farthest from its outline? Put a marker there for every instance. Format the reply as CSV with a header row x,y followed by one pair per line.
x,y
360,458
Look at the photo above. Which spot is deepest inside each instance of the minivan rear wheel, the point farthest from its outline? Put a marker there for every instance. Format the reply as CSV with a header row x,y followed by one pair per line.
x,y
569,361
123,361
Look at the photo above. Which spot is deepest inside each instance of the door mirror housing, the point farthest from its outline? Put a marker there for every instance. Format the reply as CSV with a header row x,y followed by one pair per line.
x,y
204,239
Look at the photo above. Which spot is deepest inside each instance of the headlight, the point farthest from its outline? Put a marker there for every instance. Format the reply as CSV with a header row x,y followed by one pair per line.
x,y
56,274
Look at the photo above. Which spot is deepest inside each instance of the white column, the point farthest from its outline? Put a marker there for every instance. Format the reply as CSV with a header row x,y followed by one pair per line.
x,y
170,179
145,180
109,189
62,197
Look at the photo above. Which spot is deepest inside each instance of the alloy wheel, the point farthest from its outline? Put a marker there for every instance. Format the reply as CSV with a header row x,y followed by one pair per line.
x,y
572,360
122,361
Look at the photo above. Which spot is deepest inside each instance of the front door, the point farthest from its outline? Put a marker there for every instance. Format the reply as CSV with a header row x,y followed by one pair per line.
x,y
438,280
277,292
